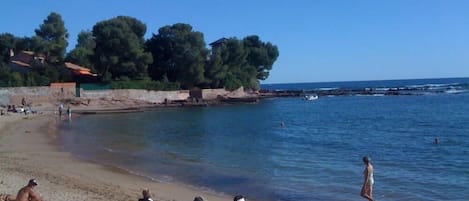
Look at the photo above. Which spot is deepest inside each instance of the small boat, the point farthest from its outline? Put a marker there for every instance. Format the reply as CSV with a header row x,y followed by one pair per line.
x,y
311,97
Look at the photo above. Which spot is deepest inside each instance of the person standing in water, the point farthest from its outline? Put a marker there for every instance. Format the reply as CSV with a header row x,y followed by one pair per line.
x,y
69,112
61,108
367,188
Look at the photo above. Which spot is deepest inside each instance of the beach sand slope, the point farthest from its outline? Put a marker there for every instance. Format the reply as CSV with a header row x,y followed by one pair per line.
x,y
28,149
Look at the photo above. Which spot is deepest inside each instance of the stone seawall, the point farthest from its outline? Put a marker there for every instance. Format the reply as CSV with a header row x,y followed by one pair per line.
x,y
33,95
136,94
212,94
38,96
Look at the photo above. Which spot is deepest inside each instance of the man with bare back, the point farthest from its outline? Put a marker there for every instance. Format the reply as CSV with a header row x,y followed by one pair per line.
x,y
28,193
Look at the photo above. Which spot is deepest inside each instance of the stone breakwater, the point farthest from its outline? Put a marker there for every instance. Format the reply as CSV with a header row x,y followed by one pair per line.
x,y
382,91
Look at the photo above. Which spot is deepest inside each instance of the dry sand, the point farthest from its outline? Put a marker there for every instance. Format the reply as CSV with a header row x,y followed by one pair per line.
x,y
28,150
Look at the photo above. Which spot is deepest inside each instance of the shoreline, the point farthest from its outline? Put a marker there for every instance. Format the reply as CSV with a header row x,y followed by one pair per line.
x,y
28,149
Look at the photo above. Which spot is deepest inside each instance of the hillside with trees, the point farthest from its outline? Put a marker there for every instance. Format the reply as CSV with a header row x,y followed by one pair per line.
x,y
176,57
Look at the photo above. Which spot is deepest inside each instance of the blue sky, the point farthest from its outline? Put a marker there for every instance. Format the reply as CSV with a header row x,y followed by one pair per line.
x,y
328,40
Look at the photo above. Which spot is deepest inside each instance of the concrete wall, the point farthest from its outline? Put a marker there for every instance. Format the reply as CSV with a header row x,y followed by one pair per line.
x,y
210,94
158,96
136,94
14,95
37,95
4,97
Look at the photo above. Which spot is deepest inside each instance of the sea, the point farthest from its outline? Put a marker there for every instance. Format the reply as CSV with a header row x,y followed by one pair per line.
x,y
291,149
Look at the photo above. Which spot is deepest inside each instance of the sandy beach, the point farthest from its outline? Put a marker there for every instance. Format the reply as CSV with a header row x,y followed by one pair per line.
x,y
28,150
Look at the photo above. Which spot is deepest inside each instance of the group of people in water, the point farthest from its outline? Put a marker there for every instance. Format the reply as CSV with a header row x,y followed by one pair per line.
x,y
69,111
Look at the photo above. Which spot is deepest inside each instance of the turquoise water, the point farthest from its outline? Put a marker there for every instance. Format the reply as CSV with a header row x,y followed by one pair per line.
x,y
243,149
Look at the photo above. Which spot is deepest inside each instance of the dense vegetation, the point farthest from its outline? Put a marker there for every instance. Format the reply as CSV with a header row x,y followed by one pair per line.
x,y
175,57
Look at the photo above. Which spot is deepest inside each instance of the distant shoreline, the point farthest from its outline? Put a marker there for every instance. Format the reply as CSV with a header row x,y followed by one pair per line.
x,y
402,87
349,81
123,101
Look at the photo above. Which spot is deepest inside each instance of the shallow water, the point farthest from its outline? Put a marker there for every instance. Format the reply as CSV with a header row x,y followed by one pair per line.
x,y
315,156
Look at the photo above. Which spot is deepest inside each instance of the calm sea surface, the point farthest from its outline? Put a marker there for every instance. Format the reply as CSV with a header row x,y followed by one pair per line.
x,y
243,149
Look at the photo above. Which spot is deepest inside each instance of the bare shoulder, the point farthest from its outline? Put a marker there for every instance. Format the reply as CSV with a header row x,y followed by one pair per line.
x,y
23,190
26,191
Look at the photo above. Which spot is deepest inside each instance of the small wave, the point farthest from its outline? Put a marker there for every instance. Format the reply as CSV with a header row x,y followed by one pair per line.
x,y
372,95
382,89
157,179
428,86
438,85
327,88
455,91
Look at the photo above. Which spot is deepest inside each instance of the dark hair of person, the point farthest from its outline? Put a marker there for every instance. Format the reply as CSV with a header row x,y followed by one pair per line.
x,y
238,197
146,193
199,198
366,159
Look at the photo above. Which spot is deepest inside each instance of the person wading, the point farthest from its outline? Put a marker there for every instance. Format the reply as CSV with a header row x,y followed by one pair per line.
x,y
367,188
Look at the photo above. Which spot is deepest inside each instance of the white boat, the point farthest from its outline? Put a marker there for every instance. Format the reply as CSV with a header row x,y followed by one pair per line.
x,y
311,97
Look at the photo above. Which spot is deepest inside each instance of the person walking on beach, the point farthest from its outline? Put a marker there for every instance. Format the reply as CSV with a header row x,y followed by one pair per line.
x,y
367,188
28,193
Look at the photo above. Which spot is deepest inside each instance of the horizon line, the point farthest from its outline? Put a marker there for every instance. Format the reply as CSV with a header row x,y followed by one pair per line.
x,y
304,82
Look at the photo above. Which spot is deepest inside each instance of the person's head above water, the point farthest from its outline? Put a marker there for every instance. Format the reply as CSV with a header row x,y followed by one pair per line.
x,y
366,159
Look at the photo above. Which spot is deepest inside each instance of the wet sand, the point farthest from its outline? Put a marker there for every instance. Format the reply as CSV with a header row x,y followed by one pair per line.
x,y
28,150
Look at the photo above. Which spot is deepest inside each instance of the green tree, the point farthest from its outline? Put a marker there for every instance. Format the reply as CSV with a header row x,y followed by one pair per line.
x,y
239,73
51,37
244,62
238,76
86,40
261,55
215,71
179,55
84,50
119,48
224,68
25,43
7,43
4,75
231,56
16,80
